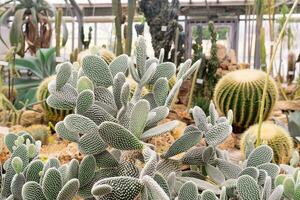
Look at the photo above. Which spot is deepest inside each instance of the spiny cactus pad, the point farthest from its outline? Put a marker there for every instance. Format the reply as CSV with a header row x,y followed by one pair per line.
x,y
119,137
122,188
51,114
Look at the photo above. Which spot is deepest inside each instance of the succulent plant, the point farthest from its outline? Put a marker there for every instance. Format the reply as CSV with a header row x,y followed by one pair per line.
x,y
51,114
104,53
24,150
273,135
289,182
241,91
42,66
28,178
98,108
111,129
161,17
107,55
208,69
39,132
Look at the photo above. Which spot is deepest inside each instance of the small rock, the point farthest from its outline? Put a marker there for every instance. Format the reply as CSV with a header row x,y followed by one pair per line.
x,y
232,56
69,153
30,117
162,143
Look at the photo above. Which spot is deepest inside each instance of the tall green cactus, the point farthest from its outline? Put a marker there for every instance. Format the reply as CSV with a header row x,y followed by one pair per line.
x,y
117,13
208,68
241,91
131,12
58,22
161,16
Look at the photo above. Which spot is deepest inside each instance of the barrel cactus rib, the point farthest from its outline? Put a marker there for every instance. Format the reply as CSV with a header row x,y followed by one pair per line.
x,y
232,92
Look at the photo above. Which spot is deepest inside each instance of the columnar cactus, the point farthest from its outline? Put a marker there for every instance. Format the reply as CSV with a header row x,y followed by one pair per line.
x,y
273,135
242,91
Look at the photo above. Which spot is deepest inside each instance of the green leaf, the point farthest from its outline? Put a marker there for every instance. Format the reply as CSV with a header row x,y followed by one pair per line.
x,y
23,83
45,54
4,18
215,174
31,64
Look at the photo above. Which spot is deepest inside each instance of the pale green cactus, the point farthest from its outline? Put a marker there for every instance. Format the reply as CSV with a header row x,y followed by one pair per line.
x,y
188,191
288,183
112,128
122,188
248,188
23,150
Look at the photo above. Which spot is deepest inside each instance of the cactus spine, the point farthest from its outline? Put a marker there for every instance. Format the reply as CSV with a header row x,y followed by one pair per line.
x,y
51,114
242,91
273,135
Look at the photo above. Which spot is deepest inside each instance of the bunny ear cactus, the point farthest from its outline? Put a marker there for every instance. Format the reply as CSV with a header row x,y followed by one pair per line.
x,y
288,184
122,188
51,114
100,97
52,187
218,129
23,150
241,91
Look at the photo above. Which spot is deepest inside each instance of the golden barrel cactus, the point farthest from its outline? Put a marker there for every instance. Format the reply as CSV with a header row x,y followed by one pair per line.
x,y
273,135
241,91
105,54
